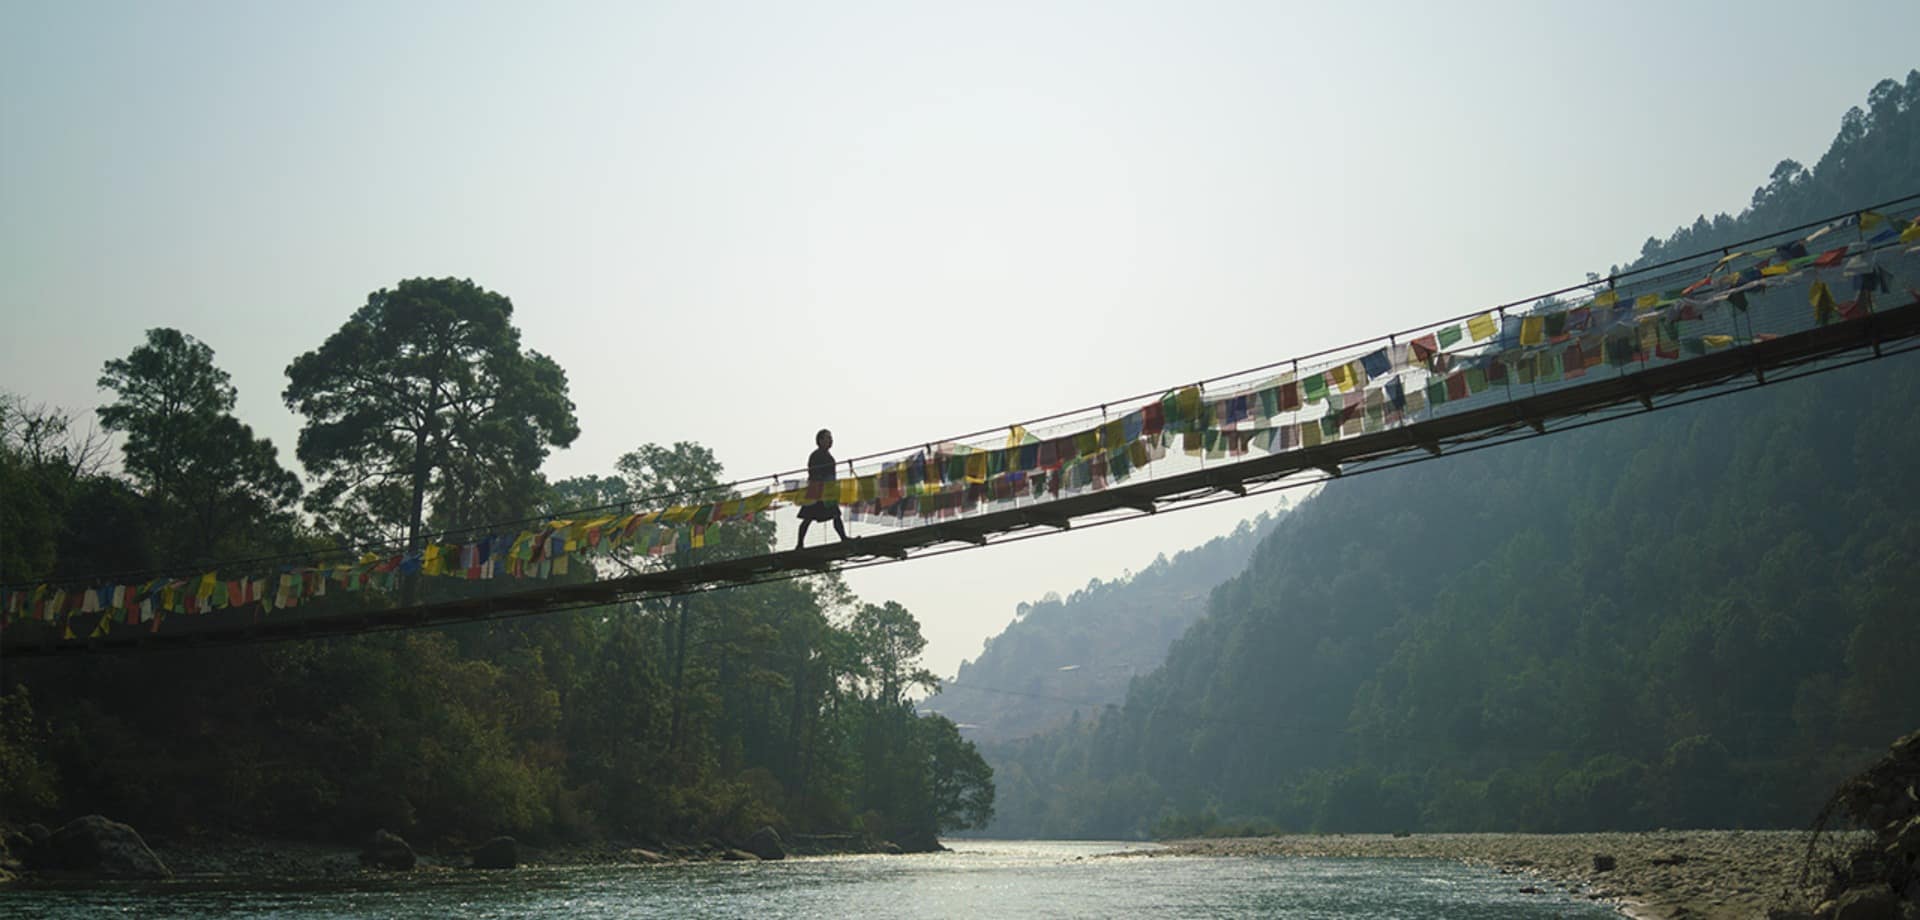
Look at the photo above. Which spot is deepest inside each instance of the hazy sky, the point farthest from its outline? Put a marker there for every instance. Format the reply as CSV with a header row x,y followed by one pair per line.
x,y
738,223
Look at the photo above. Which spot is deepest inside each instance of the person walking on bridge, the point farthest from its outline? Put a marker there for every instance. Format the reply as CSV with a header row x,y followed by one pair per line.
x,y
820,470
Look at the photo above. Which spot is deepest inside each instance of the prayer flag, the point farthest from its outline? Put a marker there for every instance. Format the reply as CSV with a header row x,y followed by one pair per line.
x,y
1481,327
1424,348
1449,335
1822,301
1532,330
1377,364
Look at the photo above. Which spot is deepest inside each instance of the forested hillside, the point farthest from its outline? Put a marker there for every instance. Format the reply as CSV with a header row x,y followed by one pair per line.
x,y
1059,656
1698,617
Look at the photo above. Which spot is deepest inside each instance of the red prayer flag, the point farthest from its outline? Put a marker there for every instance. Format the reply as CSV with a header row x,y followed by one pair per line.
x,y
1456,386
1289,396
1831,257
1425,347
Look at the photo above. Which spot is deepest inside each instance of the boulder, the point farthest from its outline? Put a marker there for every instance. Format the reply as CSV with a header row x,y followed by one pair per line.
x,y
498,853
1874,902
919,842
1603,862
97,846
385,850
646,856
732,855
766,844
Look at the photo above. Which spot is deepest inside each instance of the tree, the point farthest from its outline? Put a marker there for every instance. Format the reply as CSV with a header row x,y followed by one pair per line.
x,y
889,644
960,780
684,474
425,403
44,465
186,450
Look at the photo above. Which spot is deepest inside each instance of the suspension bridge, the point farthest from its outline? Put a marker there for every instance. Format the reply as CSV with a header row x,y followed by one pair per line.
x,y
1800,302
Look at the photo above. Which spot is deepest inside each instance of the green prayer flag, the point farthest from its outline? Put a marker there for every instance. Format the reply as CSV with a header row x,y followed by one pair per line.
x,y
1547,366
1476,379
1449,336
1316,387
1436,391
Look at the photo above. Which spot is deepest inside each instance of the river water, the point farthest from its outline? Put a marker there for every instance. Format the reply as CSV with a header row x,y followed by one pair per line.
x,y
978,879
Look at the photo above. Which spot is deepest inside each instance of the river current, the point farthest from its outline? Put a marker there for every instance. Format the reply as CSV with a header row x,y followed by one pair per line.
x,y
979,878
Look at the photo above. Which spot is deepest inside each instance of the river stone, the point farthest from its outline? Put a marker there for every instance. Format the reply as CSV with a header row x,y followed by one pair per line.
x,y
645,856
765,843
1603,863
498,853
1874,902
98,846
733,855
385,850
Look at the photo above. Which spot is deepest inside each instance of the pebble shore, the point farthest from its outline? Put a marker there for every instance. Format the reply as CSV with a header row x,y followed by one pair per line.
x,y
1660,875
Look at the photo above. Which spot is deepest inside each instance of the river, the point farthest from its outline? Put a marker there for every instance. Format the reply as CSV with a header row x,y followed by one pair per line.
x,y
979,878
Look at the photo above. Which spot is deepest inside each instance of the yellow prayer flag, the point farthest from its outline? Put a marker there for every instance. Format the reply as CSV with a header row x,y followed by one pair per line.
x,y
1912,232
1819,295
1871,219
850,490
1605,299
1533,330
1717,341
1774,270
1647,302
1337,375
1188,401
977,466
1016,435
1481,327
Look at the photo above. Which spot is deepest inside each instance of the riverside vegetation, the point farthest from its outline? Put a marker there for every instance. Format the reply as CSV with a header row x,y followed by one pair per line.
x,y
698,720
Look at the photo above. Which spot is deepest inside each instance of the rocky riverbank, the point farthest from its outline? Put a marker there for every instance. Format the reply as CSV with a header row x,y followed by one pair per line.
x,y
1698,875
33,854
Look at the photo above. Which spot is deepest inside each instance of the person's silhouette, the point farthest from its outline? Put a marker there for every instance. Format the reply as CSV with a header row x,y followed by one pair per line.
x,y
820,470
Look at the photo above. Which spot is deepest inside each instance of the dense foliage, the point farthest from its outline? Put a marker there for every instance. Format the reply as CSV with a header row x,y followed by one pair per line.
x,y
1701,617
1060,656
781,704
